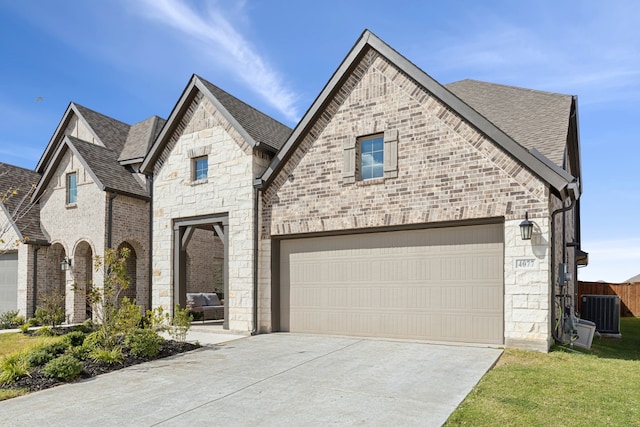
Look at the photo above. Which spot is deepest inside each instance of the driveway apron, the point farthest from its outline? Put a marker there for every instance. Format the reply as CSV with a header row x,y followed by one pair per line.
x,y
270,380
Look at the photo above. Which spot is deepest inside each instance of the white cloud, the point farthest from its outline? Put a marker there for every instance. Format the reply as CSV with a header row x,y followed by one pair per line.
x,y
217,37
611,260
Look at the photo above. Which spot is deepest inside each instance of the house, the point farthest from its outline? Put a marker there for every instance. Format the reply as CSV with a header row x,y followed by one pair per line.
x,y
20,234
398,207
395,207
202,167
91,197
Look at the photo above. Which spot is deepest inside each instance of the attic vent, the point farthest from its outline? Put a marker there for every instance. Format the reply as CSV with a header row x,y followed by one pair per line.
x,y
604,311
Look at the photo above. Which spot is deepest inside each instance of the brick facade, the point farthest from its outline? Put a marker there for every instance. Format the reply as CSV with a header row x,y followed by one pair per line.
x,y
446,171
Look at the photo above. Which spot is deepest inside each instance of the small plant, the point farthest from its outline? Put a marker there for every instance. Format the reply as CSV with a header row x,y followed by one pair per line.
x,y
144,343
13,367
46,331
55,348
73,339
11,319
33,322
38,357
108,356
65,367
80,352
94,340
157,319
51,312
85,327
24,328
180,324
129,316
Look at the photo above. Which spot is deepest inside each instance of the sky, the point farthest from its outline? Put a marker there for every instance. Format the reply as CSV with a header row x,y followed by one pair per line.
x,y
131,59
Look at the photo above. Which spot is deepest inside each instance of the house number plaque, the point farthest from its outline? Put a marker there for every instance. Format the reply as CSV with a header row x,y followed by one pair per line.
x,y
525,264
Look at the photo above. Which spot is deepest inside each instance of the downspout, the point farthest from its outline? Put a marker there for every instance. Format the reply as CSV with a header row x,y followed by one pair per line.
x,y
150,251
110,219
257,186
553,266
34,294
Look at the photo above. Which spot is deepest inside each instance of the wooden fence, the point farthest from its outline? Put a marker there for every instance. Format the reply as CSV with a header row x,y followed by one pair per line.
x,y
629,294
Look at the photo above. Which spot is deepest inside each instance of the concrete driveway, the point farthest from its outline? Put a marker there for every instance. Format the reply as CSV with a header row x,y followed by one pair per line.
x,y
270,380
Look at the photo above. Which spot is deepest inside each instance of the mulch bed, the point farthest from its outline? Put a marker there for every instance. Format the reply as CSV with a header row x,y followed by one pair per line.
x,y
38,381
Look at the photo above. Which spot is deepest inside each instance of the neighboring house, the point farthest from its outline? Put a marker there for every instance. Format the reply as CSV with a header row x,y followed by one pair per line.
x,y
20,235
203,165
91,198
394,209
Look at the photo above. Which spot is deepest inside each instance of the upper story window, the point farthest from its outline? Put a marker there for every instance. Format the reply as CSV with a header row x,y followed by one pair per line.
x,y
371,157
200,168
72,188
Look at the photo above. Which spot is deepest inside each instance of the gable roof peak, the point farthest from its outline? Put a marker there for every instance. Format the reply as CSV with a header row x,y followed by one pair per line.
x,y
556,179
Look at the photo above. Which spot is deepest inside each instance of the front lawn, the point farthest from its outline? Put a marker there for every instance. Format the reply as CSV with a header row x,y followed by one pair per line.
x,y
601,387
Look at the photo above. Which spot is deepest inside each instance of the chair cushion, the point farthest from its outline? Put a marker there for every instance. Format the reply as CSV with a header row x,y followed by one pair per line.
x,y
212,299
196,300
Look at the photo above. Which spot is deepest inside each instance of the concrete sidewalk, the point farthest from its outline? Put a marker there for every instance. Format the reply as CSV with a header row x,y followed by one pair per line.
x,y
270,380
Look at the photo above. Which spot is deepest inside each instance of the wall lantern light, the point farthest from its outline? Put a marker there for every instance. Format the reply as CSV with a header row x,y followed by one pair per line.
x,y
65,264
526,227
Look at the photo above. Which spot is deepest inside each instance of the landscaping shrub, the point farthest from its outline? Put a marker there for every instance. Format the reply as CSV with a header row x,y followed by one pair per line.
x,y
144,343
46,331
73,339
129,316
94,340
51,311
109,356
180,324
33,322
65,367
39,357
55,348
11,319
13,367
80,352
24,328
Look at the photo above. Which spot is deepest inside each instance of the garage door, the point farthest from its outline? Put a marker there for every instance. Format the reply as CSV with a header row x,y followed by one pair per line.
x,y
8,282
442,284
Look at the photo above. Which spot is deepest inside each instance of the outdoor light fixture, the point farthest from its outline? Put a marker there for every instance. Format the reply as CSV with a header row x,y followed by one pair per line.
x,y
526,227
65,264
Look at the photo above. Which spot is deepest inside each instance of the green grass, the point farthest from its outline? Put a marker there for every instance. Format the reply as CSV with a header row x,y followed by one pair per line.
x,y
597,388
12,343
16,342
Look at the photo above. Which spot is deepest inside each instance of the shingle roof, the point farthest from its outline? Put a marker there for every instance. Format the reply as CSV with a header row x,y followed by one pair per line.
x,y
27,216
113,133
532,118
140,138
104,164
258,125
634,279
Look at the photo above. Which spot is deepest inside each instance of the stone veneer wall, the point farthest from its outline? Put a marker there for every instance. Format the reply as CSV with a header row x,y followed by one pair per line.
x,y
447,171
228,189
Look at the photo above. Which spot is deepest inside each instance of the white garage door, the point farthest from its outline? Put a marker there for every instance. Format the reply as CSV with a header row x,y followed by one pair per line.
x,y
8,282
442,284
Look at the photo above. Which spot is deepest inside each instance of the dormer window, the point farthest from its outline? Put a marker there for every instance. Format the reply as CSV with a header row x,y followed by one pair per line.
x,y
200,167
72,188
